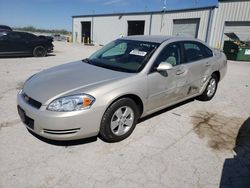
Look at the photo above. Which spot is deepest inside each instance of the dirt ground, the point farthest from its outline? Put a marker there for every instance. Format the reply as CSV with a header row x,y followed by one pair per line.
x,y
194,144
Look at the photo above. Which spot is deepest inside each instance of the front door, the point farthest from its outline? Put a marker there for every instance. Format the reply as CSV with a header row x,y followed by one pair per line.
x,y
165,88
4,45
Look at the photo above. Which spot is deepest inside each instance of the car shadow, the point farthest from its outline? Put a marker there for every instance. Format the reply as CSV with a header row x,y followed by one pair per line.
x,y
236,171
65,143
156,114
166,110
23,56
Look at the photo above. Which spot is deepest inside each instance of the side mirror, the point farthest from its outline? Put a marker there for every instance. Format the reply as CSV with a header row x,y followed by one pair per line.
x,y
163,66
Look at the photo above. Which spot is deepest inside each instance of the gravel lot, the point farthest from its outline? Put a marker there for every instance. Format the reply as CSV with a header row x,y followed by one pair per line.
x,y
189,145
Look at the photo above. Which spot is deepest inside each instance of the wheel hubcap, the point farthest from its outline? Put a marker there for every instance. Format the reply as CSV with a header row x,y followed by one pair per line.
x,y
40,52
122,120
211,87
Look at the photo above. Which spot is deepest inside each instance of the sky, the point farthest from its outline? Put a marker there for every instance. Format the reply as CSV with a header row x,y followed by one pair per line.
x,y
57,14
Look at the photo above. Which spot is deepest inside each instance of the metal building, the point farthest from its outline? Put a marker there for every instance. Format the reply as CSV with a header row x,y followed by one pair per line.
x,y
207,23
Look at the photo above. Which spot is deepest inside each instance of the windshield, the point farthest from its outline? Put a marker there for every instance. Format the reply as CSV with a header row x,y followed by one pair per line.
x,y
123,55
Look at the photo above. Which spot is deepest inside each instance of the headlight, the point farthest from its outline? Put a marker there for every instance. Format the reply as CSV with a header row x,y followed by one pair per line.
x,y
71,103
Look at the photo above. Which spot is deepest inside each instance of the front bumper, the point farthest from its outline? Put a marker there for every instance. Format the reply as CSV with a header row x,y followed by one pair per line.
x,y
50,49
60,125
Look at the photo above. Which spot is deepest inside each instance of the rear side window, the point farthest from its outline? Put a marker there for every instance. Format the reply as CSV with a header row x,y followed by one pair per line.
x,y
27,36
193,51
14,36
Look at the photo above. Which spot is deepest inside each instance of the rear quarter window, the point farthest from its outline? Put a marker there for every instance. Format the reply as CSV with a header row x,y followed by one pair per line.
x,y
206,51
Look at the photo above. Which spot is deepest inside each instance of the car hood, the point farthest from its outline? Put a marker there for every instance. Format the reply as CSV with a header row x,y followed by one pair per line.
x,y
61,80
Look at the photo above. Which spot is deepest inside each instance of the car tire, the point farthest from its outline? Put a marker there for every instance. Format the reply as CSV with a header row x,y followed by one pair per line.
x,y
39,51
210,90
119,120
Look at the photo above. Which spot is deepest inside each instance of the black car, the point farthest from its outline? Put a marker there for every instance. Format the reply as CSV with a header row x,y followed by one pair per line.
x,y
5,28
22,43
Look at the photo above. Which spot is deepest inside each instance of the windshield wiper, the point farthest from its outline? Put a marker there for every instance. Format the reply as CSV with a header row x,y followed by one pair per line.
x,y
114,68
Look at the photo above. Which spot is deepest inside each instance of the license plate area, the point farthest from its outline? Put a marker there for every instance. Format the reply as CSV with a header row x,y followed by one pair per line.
x,y
25,119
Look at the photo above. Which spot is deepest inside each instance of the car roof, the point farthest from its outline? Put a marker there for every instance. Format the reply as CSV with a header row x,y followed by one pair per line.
x,y
19,32
148,38
5,27
157,38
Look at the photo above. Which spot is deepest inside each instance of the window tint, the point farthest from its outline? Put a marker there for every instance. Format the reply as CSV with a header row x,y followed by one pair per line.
x,y
193,51
117,50
170,54
29,36
206,51
3,36
14,36
124,55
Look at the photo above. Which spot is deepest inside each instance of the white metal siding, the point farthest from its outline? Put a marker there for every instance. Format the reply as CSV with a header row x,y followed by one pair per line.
x,y
227,11
77,28
162,24
186,27
241,29
108,28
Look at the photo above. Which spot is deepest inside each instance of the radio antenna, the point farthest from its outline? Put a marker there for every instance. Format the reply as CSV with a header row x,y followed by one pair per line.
x,y
165,5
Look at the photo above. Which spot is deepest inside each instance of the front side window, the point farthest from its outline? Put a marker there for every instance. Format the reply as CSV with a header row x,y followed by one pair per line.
x,y
124,55
170,54
193,51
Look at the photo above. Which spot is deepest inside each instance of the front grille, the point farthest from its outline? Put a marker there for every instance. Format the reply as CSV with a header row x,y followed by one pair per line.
x,y
61,132
31,101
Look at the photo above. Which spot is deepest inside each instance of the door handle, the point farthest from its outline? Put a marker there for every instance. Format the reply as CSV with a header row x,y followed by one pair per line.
x,y
179,72
207,64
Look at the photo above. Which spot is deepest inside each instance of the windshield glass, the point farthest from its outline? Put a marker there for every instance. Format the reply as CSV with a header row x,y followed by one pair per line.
x,y
124,55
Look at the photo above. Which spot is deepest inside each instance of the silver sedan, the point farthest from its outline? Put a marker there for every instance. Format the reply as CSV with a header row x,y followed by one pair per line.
x,y
127,79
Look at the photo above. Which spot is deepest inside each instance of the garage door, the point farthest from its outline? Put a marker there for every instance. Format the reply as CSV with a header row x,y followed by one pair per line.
x,y
186,27
241,29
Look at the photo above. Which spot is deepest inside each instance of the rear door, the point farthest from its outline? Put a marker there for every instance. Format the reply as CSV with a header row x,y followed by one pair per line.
x,y
167,87
29,42
195,62
16,43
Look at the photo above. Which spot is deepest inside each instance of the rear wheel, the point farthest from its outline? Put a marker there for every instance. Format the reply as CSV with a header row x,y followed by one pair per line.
x,y
39,51
119,120
210,90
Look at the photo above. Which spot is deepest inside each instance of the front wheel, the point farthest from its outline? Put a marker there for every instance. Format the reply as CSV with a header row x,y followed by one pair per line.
x,y
39,51
210,90
119,120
